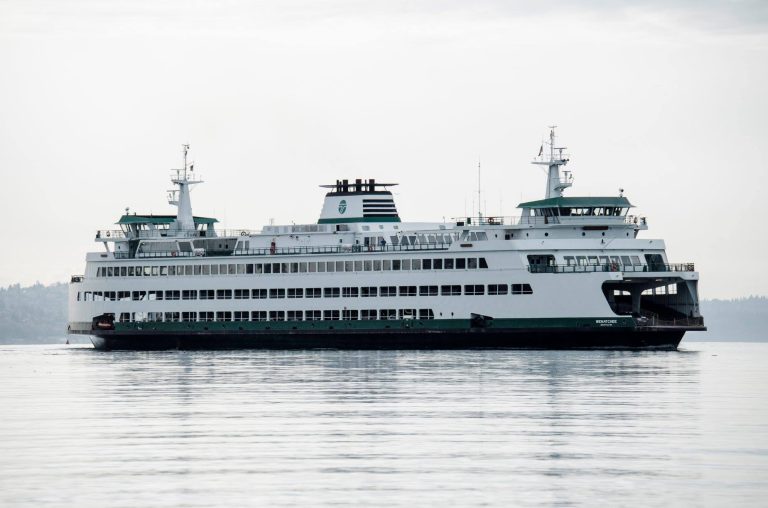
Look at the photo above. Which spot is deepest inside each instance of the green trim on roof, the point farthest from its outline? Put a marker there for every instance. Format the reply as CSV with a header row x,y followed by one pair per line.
x,y
160,219
577,202
350,220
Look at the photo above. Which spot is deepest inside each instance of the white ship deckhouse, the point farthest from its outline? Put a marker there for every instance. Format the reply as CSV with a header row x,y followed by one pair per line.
x,y
569,272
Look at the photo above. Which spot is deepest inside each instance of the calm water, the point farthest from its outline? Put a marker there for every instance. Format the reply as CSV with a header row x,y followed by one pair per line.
x,y
87,428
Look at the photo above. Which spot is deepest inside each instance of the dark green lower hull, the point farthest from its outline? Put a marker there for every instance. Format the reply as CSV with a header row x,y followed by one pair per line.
x,y
665,339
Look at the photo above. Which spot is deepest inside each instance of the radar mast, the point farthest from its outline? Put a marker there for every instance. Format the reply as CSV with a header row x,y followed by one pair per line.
x,y
555,183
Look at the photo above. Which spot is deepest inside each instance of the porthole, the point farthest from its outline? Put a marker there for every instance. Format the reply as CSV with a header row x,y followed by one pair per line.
x,y
583,233
546,234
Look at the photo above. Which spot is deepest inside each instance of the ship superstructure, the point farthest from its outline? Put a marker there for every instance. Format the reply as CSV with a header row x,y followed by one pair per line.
x,y
570,272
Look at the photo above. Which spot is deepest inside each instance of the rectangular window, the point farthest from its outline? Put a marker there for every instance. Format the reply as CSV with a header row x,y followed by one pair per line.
x,y
636,260
626,261
258,315
452,290
349,314
206,294
330,315
570,261
387,264
498,289
123,295
277,293
407,313
313,293
303,267
312,315
604,260
206,316
592,260
427,290
388,291
448,263
415,264
331,292
348,266
223,294
223,315
437,264
407,290
321,266
242,294
472,263
483,264
522,289
172,317
349,292
258,294
241,315
396,264
198,269
369,291
388,314
189,294
474,289
461,263
426,314
125,317
368,265
295,292
214,269
294,315
313,267
277,315
369,314
130,271
377,265
206,270
188,270
154,295
258,268
330,266
405,264
232,269
173,295
188,316
339,266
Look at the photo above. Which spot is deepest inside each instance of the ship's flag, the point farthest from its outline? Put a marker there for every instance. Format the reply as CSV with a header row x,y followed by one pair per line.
x,y
541,149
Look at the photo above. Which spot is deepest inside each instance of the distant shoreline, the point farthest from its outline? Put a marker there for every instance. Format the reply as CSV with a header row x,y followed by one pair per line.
x,y
37,314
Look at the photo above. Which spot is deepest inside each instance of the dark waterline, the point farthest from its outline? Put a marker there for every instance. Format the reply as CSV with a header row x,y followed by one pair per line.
x,y
383,428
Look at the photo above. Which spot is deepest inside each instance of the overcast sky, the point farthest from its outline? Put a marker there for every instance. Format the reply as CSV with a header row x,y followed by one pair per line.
x,y
666,99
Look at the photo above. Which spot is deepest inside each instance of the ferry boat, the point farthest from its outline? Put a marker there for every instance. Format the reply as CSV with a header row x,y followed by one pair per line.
x,y
569,272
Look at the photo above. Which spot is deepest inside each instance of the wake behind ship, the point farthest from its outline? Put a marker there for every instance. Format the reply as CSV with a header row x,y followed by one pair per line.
x,y
570,272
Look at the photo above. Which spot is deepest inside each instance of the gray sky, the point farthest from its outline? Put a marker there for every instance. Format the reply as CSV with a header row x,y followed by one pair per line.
x,y
665,99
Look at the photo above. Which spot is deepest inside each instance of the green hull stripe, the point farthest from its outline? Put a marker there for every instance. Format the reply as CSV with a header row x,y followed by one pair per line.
x,y
417,324
349,220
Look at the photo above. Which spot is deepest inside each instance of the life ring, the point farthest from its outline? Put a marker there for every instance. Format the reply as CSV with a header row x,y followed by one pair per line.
x,y
109,234
243,233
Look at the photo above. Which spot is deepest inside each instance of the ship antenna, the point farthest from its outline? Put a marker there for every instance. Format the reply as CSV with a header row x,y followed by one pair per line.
x,y
479,201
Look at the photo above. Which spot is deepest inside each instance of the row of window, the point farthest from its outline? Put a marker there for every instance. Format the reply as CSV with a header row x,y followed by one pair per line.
x,y
602,260
344,292
279,315
368,265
